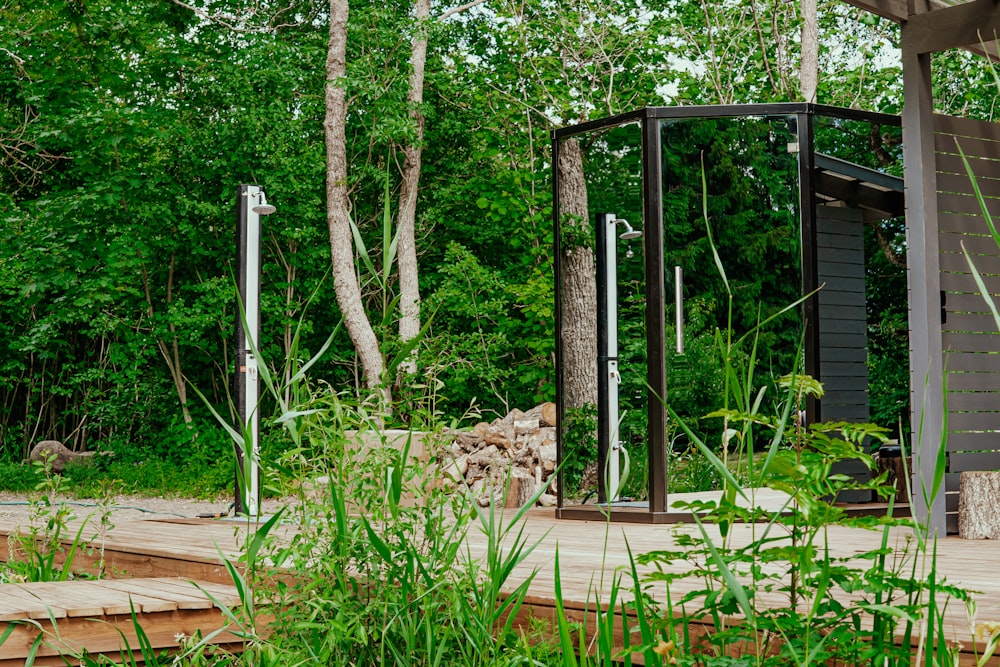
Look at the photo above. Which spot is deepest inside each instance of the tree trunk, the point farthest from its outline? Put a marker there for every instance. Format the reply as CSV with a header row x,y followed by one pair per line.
x,y
579,284
170,353
338,210
409,289
809,65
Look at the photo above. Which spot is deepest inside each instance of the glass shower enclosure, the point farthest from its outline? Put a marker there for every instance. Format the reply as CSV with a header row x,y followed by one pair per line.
x,y
675,226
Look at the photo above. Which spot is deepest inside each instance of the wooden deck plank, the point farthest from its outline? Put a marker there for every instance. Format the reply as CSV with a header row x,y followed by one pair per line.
x,y
184,594
144,602
17,600
962,563
101,635
149,548
79,598
31,603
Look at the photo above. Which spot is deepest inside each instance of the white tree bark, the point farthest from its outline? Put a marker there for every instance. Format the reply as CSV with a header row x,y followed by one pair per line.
x,y
409,288
338,209
809,65
579,285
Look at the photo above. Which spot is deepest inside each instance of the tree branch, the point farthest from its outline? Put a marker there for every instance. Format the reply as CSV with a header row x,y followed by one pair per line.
x,y
208,17
16,58
890,253
458,10
231,22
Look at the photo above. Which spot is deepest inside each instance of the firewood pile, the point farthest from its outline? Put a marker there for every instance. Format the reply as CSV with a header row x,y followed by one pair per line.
x,y
505,462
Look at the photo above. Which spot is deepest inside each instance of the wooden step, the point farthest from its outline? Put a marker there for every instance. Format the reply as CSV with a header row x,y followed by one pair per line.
x,y
67,617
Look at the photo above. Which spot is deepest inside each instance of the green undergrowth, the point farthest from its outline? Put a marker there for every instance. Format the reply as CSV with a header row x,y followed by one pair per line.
x,y
378,571
45,548
152,477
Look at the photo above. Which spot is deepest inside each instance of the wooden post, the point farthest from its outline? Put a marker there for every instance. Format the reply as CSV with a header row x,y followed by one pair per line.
x,y
978,509
656,364
924,282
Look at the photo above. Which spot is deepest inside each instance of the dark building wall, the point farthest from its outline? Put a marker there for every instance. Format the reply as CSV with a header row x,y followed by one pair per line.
x,y
843,342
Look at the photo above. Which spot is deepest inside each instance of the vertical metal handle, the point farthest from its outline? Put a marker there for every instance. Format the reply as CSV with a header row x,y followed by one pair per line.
x,y
679,307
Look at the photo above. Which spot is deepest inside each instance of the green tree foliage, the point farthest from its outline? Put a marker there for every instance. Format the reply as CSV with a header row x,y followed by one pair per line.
x,y
125,126
120,229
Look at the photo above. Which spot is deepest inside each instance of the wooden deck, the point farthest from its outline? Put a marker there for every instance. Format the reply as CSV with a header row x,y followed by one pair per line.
x,y
66,617
589,553
169,573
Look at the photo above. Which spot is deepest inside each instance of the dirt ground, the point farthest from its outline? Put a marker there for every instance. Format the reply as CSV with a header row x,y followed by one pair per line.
x,y
16,508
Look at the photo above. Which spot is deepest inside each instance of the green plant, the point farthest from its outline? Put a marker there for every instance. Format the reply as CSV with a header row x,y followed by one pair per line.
x,y
108,491
39,553
871,608
389,580
194,651
833,610
381,540
18,477
580,443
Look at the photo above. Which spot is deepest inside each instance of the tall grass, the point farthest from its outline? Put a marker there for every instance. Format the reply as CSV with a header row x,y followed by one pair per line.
x,y
46,549
377,570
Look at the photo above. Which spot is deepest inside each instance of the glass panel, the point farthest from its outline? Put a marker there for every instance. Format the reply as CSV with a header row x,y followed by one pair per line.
x,y
730,196
749,167
866,143
609,196
879,148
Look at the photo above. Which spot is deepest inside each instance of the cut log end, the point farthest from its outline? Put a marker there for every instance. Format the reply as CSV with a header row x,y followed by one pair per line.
x,y
979,505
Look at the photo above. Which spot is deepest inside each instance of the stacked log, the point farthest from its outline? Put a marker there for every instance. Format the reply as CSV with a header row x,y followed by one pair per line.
x,y
505,462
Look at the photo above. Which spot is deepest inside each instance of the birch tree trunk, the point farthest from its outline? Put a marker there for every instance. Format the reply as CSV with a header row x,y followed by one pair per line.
x,y
409,289
579,285
338,210
809,65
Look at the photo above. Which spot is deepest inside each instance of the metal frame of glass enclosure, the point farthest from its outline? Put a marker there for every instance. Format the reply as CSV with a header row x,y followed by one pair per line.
x,y
811,168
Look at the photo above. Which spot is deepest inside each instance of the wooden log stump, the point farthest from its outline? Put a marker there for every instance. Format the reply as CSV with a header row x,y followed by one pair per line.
x,y
889,460
979,505
520,490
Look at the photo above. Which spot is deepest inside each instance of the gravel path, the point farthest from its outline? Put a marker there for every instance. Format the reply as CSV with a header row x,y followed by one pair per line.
x,y
15,507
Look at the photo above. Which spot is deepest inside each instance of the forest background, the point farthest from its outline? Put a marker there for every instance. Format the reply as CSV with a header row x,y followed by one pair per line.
x,y
126,125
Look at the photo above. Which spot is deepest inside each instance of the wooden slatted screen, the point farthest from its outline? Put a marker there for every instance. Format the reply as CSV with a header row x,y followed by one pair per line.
x,y
970,334
843,342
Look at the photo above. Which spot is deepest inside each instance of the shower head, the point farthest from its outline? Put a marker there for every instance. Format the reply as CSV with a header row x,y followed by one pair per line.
x,y
263,208
629,233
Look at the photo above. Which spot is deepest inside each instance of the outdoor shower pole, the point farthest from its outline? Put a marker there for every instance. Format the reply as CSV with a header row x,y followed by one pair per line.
x,y
246,391
608,377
